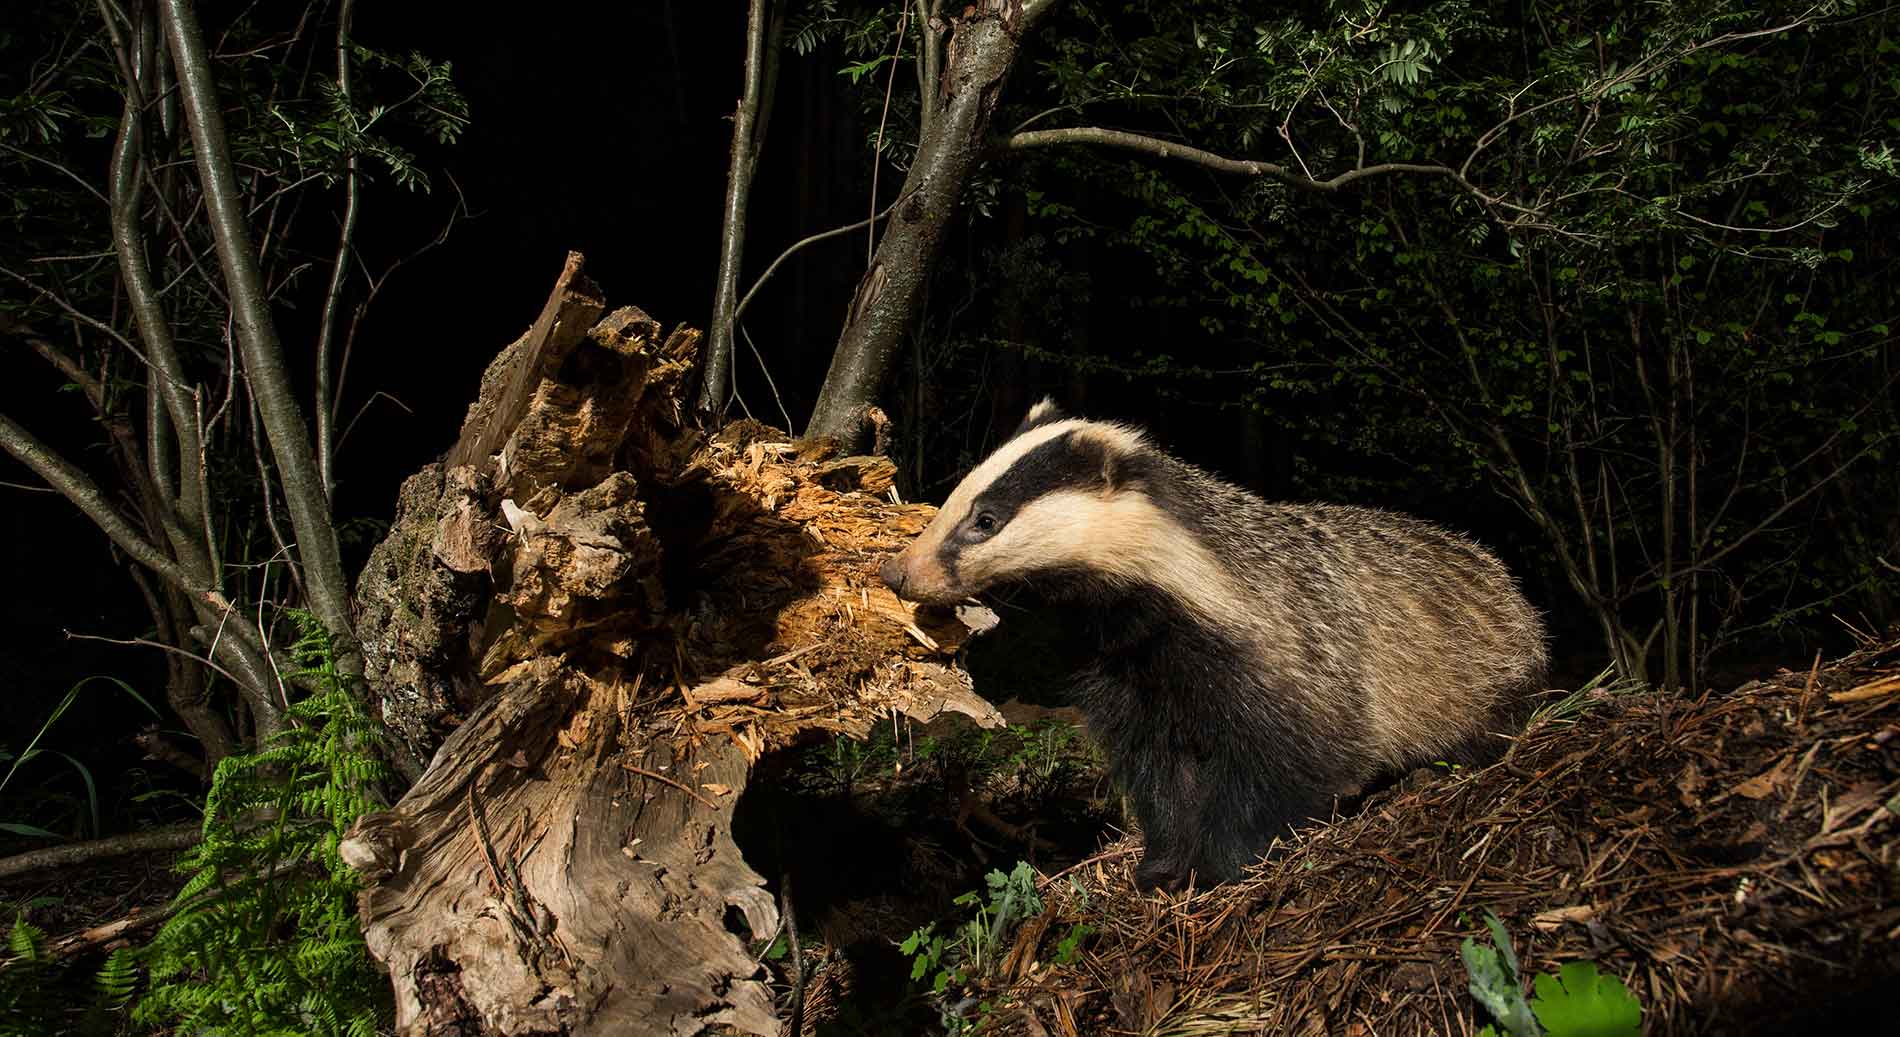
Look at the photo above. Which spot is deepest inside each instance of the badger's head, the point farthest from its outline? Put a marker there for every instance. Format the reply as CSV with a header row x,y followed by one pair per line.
x,y
1061,496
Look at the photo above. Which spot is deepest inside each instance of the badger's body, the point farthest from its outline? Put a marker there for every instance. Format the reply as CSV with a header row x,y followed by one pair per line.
x,y
1240,662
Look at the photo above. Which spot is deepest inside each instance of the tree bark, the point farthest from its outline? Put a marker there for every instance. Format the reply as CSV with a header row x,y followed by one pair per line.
x,y
170,837
983,47
257,332
591,619
748,126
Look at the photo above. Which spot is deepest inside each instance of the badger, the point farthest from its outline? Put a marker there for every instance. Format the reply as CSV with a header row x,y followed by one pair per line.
x,y
1241,663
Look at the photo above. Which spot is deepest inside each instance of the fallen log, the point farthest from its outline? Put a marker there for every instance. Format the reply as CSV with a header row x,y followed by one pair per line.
x,y
587,624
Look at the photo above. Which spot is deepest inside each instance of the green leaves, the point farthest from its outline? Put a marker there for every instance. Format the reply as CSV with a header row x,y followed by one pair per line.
x,y
1406,63
265,940
1579,1001
977,944
1494,982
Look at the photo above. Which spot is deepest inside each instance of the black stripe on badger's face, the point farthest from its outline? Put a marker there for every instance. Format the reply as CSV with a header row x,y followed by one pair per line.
x,y
1055,465
1043,501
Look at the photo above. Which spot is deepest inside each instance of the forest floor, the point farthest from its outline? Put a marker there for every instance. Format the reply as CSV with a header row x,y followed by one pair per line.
x,y
1732,859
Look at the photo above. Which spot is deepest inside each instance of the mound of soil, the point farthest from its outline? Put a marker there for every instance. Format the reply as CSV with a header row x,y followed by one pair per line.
x,y
1731,858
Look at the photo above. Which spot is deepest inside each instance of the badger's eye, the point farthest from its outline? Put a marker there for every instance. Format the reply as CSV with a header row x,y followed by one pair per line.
x,y
984,522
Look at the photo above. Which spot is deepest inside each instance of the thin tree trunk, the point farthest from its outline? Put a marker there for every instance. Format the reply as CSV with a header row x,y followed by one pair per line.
x,y
982,50
257,332
747,126
327,402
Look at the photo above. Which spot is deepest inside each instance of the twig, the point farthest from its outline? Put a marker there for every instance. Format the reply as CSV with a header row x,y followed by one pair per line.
x,y
202,660
877,148
29,489
798,959
669,781
100,935
1222,164
812,240
767,372
170,837
1807,692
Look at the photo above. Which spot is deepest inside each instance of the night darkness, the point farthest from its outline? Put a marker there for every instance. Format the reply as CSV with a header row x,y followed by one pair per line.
x,y
603,129
595,131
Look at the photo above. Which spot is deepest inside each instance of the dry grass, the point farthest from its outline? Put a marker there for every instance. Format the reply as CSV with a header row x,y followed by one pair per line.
x,y
1732,858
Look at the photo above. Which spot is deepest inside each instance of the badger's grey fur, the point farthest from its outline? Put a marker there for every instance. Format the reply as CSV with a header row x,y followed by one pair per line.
x,y
1240,662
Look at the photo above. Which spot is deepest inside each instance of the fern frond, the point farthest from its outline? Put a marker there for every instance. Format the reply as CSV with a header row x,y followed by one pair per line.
x,y
266,940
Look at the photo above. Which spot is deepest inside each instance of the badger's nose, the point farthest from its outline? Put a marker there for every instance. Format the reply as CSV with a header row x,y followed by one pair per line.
x,y
892,573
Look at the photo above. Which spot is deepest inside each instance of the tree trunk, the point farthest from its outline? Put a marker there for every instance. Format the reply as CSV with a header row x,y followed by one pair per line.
x,y
748,132
611,615
983,46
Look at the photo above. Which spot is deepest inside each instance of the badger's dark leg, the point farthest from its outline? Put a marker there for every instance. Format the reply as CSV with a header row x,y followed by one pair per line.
x,y
1216,763
1170,818
1256,797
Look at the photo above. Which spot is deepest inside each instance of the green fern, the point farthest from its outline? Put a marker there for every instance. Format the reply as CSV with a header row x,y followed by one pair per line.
x,y
23,1008
265,940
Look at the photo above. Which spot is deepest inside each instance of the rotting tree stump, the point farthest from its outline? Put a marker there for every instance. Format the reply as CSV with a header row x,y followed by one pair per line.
x,y
585,626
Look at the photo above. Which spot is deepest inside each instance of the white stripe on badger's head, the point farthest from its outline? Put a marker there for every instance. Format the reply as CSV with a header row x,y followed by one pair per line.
x,y
1064,494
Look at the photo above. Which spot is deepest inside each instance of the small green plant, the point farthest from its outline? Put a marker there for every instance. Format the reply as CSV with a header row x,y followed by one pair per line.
x,y
33,750
265,939
33,1003
22,986
1578,1001
1045,756
971,951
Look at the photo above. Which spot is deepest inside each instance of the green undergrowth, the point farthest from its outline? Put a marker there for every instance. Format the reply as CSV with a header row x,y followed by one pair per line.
x,y
1576,1001
966,954
265,939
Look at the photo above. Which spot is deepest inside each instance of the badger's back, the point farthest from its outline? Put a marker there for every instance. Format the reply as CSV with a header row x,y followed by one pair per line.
x,y
1414,640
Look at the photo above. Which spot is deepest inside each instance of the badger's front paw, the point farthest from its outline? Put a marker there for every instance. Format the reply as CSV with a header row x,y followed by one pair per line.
x,y
1160,873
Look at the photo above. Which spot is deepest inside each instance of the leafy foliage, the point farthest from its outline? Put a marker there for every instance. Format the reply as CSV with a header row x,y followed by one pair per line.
x,y
265,940
972,950
33,1001
23,1007
1578,1001
1626,267
1581,1002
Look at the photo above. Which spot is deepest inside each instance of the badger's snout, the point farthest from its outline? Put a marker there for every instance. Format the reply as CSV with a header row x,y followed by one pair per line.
x,y
920,577
892,573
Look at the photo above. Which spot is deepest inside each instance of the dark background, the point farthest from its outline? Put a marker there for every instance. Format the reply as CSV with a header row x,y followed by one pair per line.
x,y
605,129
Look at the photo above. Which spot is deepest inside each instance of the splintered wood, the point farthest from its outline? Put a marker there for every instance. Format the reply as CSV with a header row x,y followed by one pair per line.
x,y
590,620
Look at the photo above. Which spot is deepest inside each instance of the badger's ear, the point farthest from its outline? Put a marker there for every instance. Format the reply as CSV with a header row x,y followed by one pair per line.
x,y
1103,457
1044,412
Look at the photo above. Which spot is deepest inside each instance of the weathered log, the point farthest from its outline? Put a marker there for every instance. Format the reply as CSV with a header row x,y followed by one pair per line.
x,y
592,619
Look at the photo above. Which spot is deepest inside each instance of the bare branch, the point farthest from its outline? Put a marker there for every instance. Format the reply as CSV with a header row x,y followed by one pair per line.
x,y
76,178
801,243
1222,164
171,837
326,403
717,375
257,333
78,487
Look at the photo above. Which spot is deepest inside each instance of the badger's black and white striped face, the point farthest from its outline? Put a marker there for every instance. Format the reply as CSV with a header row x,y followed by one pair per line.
x,y
1062,495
